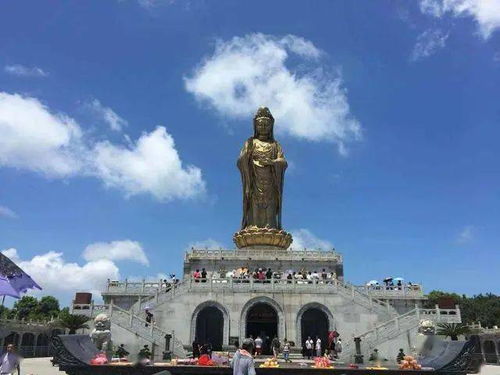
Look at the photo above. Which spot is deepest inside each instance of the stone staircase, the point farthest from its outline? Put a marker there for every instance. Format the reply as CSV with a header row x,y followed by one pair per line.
x,y
136,325
395,327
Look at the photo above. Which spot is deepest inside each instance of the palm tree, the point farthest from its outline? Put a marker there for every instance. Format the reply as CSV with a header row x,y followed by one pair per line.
x,y
453,330
73,322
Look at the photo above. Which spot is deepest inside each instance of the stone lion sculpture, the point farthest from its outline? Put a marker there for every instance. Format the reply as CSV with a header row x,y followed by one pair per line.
x,y
101,334
427,327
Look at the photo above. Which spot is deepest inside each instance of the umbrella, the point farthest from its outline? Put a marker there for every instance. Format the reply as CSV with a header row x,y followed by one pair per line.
x,y
18,281
372,282
6,289
399,279
388,279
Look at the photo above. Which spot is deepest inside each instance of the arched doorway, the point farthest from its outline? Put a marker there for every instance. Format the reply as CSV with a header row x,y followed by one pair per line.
x,y
262,320
27,348
490,354
314,322
42,346
210,327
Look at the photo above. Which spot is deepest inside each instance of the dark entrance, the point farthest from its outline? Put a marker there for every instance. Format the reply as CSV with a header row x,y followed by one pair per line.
x,y
210,327
262,320
314,322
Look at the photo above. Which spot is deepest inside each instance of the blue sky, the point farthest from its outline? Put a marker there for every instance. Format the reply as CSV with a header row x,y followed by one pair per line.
x,y
121,122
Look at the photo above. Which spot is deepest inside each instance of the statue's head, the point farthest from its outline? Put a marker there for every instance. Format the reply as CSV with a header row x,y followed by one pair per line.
x,y
263,123
102,322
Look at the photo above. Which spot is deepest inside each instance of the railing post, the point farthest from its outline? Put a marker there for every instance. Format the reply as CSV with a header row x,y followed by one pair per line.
x,y
459,313
126,284
111,308
152,328
92,308
108,285
157,295
417,312
438,313
143,285
397,322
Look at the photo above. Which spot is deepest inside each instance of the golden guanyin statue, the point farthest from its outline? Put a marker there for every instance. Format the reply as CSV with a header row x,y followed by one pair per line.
x,y
262,165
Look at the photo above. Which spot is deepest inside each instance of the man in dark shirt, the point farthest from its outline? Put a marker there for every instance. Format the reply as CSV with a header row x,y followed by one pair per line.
x,y
269,275
203,275
149,317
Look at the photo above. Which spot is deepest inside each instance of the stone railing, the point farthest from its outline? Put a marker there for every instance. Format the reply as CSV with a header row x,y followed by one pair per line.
x,y
148,288
398,325
24,323
263,254
136,287
396,292
133,323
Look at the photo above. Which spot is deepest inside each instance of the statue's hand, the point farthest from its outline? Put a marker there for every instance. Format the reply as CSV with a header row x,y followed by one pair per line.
x,y
267,161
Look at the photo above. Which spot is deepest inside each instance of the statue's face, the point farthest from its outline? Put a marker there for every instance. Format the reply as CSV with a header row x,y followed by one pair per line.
x,y
264,126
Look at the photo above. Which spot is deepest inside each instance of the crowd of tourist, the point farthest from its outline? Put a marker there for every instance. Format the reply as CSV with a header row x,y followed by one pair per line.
x,y
243,274
390,283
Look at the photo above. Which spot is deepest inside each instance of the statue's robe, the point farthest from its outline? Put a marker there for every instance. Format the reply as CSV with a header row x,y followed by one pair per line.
x,y
254,205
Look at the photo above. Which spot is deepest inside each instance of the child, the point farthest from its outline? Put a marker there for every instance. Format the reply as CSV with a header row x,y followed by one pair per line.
x,y
286,351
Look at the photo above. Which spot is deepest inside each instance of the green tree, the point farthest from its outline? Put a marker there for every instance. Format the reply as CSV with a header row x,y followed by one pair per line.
x,y
26,307
434,296
452,330
484,308
48,307
73,322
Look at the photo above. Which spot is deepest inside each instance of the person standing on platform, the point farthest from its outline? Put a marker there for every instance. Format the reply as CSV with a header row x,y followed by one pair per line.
x,y
275,344
286,350
203,275
149,317
196,348
309,347
258,346
242,362
318,346
338,346
10,361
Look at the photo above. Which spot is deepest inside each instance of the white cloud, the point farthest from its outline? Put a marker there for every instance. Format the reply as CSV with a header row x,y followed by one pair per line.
x,y
62,279
305,239
428,43
466,235
24,71
307,101
8,213
38,140
486,13
35,139
207,244
109,116
116,250
152,165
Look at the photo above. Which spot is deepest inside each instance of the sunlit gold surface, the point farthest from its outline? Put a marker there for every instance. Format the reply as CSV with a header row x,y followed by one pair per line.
x,y
262,165
262,237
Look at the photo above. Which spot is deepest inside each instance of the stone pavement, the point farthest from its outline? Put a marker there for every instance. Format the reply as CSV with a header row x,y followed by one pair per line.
x,y
42,366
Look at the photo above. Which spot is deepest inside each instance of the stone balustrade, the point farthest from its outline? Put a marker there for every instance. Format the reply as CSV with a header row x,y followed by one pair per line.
x,y
151,288
264,254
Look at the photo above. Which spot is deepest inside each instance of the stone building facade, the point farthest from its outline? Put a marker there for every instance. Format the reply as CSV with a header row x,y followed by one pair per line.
x,y
224,310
